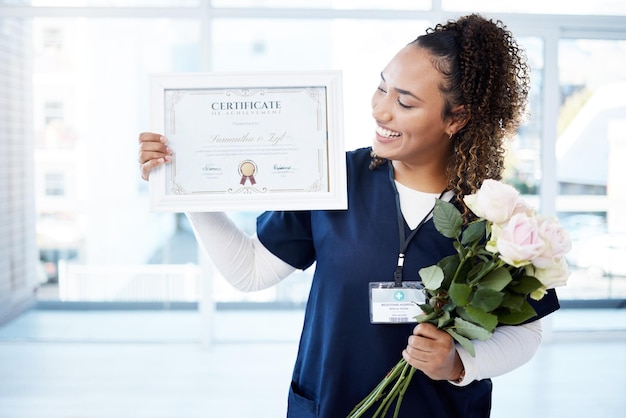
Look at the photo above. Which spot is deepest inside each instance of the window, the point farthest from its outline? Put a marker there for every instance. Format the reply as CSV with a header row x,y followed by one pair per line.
x,y
53,112
90,99
53,38
90,104
590,155
55,184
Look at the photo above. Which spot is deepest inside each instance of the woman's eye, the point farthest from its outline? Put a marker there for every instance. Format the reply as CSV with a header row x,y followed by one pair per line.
x,y
402,105
382,90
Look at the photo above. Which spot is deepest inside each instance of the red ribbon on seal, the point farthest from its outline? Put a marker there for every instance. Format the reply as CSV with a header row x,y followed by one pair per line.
x,y
244,178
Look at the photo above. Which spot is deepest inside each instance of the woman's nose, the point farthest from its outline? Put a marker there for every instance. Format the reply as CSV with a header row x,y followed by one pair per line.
x,y
381,109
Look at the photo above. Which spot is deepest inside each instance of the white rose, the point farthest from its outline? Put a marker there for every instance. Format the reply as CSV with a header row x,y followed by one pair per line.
x,y
523,207
494,201
556,239
553,276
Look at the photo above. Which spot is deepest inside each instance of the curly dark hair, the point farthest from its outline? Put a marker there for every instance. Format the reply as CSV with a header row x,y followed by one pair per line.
x,y
486,72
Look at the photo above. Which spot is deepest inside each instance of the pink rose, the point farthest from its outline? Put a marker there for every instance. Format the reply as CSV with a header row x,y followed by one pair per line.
x,y
557,242
494,201
517,241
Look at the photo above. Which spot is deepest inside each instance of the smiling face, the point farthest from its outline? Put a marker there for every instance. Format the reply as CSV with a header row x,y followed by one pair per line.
x,y
408,107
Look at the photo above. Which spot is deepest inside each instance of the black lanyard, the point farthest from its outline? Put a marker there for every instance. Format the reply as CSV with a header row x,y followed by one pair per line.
x,y
404,240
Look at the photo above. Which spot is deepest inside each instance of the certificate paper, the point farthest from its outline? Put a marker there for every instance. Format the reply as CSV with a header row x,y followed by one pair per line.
x,y
258,141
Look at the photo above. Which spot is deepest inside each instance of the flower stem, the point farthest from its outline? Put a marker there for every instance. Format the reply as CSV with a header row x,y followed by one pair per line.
x,y
378,392
386,404
402,392
463,256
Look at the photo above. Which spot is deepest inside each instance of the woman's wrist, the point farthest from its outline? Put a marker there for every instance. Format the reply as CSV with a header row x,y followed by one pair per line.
x,y
460,376
459,370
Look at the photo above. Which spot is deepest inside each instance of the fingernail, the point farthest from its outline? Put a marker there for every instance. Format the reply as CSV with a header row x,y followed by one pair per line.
x,y
163,139
168,158
168,150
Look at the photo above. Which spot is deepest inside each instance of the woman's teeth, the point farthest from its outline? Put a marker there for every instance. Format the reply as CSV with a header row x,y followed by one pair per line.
x,y
386,132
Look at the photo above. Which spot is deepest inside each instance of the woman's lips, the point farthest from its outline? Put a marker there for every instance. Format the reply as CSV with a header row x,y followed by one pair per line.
x,y
386,135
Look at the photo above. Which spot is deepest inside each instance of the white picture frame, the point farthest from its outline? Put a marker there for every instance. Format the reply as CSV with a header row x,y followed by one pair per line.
x,y
249,141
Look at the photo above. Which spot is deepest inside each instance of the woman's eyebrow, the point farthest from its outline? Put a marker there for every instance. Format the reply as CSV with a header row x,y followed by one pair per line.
x,y
401,91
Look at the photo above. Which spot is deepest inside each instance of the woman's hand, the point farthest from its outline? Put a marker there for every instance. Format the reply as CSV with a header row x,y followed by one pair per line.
x,y
153,152
433,352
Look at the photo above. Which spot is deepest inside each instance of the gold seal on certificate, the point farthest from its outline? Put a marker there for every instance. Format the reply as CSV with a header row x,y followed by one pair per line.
x,y
229,130
247,169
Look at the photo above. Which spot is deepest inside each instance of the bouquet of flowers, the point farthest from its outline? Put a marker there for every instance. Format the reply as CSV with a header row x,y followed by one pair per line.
x,y
506,255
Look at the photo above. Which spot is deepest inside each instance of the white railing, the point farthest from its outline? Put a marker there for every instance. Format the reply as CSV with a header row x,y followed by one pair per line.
x,y
129,283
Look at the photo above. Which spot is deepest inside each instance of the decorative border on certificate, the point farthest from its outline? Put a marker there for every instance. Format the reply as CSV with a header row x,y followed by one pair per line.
x,y
249,141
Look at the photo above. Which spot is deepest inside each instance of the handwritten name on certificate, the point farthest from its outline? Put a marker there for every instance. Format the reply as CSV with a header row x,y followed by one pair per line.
x,y
253,148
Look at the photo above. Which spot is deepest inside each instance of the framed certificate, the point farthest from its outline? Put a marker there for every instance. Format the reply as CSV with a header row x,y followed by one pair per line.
x,y
249,141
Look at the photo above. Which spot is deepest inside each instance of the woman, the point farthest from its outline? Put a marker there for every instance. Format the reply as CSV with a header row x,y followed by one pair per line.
x,y
444,106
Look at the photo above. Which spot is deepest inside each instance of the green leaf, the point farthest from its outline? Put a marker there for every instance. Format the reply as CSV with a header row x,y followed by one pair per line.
x,y
465,343
496,280
448,220
426,308
526,285
449,265
477,316
475,270
517,317
471,331
487,299
473,232
432,277
513,301
426,317
459,293
450,306
443,320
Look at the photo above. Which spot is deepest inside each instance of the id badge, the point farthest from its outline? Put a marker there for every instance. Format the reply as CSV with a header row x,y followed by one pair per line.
x,y
390,304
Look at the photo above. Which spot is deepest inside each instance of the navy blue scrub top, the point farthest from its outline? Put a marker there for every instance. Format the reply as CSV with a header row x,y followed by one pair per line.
x,y
342,356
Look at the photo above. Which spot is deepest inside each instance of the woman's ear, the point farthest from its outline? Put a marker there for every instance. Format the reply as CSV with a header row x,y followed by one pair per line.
x,y
459,116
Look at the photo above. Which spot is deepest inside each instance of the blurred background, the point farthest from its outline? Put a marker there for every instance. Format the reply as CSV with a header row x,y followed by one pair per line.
x,y
76,233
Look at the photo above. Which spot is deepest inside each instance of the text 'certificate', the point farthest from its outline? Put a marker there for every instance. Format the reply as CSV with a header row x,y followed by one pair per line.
x,y
266,141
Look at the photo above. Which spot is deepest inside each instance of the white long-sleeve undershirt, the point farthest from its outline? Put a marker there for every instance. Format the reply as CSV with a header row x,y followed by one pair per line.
x,y
243,261
247,265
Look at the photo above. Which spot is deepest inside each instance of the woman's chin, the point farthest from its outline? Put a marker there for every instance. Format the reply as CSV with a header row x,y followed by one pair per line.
x,y
381,148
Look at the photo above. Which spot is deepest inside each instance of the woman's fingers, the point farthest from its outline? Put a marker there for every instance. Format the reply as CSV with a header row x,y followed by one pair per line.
x,y
151,137
153,152
149,165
